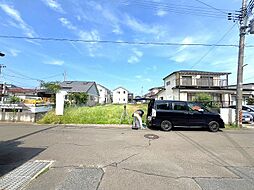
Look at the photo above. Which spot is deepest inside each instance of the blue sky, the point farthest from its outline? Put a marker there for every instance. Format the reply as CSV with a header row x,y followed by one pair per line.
x,y
112,65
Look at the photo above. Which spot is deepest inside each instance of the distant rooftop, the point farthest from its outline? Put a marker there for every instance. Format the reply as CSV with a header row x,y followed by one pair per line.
x,y
196,72
122,88
77,86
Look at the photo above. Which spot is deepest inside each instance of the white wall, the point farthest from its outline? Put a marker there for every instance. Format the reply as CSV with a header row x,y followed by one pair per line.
x,y
169,94
104,95
60,97
183,96
119,97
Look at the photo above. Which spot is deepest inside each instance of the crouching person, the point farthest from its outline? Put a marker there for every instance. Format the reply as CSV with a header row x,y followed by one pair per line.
x,y
137,119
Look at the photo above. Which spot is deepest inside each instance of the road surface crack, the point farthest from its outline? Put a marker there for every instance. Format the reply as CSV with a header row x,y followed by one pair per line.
x,y
115,164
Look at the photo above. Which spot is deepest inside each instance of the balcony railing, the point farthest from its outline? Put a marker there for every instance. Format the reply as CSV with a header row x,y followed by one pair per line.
x,y
202,82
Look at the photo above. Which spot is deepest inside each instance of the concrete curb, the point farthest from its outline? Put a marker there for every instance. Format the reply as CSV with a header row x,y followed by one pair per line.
x,y
96,125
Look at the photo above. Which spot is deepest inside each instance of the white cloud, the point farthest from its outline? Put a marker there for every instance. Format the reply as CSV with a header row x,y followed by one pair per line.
x,y
14,52
137,52
138,76
148,80
186,40
135,58
53,4
65,22
139,26
161,13
181,58
15,15
92,35
55,62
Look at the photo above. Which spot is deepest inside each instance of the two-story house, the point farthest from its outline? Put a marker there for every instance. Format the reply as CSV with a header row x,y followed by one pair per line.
x,y
120,95
105,94
154,93
186,84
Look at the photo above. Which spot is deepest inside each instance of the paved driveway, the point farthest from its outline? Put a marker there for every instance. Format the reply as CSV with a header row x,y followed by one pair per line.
x,y
121,158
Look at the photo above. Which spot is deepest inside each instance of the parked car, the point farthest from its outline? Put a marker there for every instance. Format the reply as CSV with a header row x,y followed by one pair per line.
x,y
247,118
245,108
167,113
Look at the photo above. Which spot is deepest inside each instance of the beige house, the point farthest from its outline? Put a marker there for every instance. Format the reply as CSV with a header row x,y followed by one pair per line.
x,y
186,84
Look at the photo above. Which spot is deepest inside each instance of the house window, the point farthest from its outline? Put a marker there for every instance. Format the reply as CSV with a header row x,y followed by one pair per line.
x,y
100,90
205,81
118,92
187,80
124,92
168,83
124,99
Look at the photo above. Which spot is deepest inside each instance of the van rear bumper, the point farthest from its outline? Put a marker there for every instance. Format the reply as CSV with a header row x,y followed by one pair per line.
x,y
152,122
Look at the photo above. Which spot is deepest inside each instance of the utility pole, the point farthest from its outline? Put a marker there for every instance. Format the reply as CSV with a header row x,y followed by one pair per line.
x,y
3,85
239,90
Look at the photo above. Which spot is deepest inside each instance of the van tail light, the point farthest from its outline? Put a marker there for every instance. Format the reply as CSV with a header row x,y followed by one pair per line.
x,y
153,113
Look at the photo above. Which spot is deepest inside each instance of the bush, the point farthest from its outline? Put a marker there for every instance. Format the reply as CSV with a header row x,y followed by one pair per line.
x,y
250,101
14,100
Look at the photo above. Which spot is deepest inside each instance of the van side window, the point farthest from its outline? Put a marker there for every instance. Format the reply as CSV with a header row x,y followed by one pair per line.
x,y
163,106
180,106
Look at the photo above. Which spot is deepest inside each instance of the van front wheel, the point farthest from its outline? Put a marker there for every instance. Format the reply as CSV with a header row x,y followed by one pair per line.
x,y
213,126
166,125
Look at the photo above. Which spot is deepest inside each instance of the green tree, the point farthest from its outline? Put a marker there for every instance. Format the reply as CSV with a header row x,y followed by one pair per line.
x,y
52,87
14,99
78,98
203,97
250,101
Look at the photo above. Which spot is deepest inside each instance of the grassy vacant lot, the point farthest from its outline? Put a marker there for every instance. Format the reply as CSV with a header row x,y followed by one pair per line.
x,y
105,114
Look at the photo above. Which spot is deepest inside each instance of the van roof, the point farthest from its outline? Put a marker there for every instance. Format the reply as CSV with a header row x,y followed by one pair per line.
x,y
169,101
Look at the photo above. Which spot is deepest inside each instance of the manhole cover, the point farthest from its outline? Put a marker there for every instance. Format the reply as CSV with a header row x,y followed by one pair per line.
x,y
151,136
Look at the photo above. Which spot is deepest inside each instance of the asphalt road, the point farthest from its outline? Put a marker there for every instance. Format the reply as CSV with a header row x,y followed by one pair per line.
x,y
121,158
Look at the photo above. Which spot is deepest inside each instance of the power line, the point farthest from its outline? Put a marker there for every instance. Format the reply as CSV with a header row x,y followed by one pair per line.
x,y
213,47
177,6
121,42
17,82
181,9
25,77
212,7
20,74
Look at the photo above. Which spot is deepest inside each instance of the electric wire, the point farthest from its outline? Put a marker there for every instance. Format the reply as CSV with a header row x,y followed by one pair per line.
x,y
212,7
120,42
179,9
213,47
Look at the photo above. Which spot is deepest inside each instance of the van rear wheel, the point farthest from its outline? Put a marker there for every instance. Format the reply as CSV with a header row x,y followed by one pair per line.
x,y
166,125
213,126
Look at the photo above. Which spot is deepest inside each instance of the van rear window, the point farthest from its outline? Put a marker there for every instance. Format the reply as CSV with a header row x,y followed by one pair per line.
x,y
163,106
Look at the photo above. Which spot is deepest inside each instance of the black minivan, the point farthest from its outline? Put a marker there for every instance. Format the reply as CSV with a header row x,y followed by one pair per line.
x,y
169,113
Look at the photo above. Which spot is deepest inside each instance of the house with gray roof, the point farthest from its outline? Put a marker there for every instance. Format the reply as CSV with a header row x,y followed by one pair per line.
x,y
82,86
186,84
